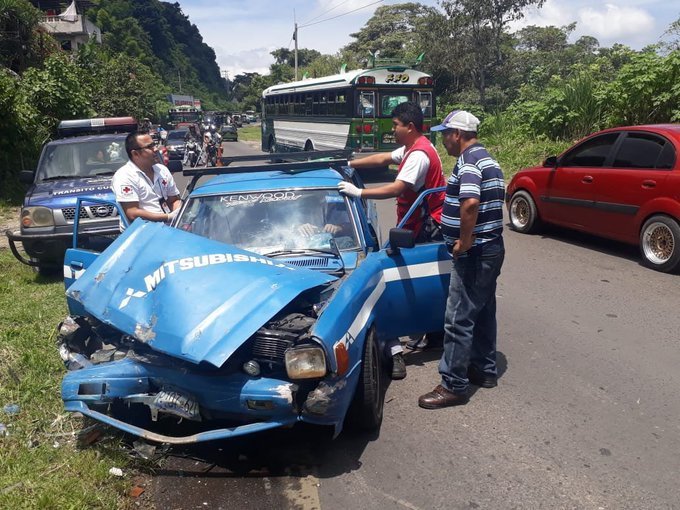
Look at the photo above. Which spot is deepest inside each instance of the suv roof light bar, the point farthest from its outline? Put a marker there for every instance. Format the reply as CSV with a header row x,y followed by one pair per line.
x,y
96,126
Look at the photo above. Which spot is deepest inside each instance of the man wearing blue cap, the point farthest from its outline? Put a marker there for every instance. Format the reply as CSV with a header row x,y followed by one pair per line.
x,y
472,224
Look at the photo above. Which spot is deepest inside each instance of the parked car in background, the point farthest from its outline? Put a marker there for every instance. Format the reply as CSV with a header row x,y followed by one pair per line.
x,y
269,302
621,183
229,133
174,143
78,164
236,120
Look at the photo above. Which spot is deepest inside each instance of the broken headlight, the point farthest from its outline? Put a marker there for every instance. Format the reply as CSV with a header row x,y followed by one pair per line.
x,y
306,362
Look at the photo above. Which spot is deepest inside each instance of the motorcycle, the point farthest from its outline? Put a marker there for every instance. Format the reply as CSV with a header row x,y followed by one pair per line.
x,y
191,153
211,150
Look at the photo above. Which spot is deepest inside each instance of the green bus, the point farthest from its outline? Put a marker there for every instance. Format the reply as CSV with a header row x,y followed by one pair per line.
x,y
350,110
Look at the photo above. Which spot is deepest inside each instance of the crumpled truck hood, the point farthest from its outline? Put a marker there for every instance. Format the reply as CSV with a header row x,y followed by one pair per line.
x,y
185,295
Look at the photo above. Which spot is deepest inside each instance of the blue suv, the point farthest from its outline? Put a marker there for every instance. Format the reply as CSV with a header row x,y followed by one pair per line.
x,y
80,163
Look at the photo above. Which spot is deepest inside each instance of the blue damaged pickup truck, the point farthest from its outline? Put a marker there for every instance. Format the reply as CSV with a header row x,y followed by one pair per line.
x,y
79,163
269,302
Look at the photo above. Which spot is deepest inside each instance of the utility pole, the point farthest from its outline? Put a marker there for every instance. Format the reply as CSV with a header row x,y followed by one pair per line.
x,y
295,36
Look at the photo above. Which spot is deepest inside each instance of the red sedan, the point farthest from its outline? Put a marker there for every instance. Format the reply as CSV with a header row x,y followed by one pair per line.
x,y
621,183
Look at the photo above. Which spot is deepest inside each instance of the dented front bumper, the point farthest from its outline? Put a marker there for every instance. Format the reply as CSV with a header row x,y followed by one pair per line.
x,y
247,404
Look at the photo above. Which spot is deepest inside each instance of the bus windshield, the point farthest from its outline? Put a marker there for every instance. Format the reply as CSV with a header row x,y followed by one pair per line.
x,y
388,102
183,116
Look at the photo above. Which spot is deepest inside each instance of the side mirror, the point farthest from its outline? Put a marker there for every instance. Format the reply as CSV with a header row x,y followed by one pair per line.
x,y
400,238
26,176
551,162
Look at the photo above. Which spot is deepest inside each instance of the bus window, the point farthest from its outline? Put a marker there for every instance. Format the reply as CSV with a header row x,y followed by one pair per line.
x,y
366,108
425,102
323,110
341,104
389,102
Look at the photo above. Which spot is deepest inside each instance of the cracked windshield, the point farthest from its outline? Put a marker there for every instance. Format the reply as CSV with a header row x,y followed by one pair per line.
x,y
270,222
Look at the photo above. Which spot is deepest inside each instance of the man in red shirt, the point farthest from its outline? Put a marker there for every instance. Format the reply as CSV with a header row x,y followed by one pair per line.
x,y
419,169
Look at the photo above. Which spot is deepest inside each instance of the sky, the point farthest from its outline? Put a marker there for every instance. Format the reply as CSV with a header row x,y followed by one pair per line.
x,y
244,32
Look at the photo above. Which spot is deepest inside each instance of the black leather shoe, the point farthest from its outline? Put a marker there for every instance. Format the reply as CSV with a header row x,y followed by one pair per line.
x,y
441,397
479,378
398,366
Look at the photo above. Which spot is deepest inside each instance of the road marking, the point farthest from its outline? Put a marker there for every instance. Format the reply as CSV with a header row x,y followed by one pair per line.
x,y
385,495
302,491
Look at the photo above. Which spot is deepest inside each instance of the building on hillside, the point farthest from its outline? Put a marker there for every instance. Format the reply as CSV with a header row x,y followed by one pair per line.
x,y
70,27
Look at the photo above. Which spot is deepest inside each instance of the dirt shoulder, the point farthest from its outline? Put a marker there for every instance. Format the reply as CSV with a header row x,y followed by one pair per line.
x,y
9,219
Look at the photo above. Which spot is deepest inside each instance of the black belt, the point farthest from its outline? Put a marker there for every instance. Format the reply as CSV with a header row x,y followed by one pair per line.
x,y
478,248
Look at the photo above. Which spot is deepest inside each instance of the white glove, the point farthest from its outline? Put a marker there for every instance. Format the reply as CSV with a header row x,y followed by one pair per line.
x,y
172,215
349,189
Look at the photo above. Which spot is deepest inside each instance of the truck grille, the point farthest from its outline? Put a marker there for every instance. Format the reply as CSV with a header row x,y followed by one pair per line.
x,y
89,212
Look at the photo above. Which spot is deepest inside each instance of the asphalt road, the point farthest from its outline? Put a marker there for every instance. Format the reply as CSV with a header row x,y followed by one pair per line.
x,y
585,415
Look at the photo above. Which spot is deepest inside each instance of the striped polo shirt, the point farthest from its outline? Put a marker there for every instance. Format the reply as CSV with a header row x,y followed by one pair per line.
x,y
476,175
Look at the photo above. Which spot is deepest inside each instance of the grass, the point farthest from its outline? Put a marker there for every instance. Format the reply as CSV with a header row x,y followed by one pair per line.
x,y
250,133
41,465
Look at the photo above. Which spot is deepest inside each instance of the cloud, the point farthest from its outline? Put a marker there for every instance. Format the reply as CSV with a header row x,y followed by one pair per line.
x,y
613,22
625,22
255,60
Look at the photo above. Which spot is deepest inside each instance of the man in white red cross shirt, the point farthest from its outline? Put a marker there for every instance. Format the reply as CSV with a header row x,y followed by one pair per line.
x,y
144,188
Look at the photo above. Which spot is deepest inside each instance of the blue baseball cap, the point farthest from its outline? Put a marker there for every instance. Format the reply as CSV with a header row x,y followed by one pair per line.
x,y
458,119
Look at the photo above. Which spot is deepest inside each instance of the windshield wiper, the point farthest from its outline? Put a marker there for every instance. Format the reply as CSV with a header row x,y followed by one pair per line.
x,y
108,172
59,177
334,252
300,251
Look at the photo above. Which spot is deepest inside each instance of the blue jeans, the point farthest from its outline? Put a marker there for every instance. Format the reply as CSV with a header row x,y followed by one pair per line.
x,y
470,319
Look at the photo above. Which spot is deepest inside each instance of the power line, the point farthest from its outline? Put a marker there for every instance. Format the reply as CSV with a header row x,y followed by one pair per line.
x,y
326,12
340,15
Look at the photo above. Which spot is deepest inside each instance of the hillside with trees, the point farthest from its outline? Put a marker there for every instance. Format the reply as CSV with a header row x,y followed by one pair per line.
x,y
147,46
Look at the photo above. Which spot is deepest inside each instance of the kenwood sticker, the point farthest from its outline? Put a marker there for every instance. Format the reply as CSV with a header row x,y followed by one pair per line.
x,y
259,198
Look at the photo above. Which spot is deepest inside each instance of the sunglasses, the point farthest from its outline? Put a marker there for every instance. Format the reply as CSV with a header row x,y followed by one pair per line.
x,y
150,146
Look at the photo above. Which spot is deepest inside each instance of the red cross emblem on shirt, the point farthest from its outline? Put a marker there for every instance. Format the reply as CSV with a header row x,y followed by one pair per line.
x,y
164,182
127,189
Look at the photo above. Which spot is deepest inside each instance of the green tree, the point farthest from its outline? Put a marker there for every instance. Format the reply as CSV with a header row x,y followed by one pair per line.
x,y
392,30
672,36
286,56
476,31
646,90
56,90
19,37
137,88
